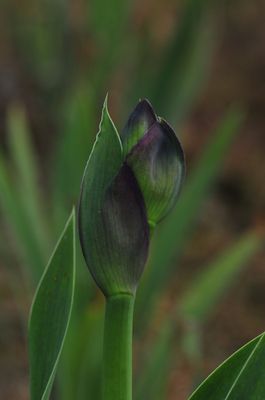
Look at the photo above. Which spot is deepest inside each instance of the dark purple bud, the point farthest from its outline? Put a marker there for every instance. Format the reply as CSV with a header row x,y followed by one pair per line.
x,y
154,153
140,120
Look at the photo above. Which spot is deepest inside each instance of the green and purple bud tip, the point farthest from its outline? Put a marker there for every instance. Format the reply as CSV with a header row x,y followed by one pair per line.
x,y
130,183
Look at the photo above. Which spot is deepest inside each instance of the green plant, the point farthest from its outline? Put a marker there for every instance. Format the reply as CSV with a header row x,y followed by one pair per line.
x,y
129,184
66,86
116,216
50,313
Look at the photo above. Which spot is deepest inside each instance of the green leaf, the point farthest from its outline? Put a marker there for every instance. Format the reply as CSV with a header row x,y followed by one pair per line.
x,y
240,377
108,22
152,379
79,372
103,164
184,63
40,48
75,142
208,287
50,314
16,216
172,235
173,78
26,173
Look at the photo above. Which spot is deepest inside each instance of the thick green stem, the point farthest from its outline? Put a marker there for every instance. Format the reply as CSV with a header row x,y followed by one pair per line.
x,y
117,353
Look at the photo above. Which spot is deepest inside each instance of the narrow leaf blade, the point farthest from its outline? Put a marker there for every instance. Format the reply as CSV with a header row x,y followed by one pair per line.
x,y
208,288
241,376
13,210
26,170
50,314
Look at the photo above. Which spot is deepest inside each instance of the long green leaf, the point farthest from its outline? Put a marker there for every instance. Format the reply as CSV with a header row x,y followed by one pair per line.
x,y
50,314
152,378
184,64
15,215
173,80
79,370
208,287
172,236
26,174
108,21
74,144
42,50
240,377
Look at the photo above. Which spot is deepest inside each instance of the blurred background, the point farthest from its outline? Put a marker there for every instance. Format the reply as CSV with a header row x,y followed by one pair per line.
x,y
201,63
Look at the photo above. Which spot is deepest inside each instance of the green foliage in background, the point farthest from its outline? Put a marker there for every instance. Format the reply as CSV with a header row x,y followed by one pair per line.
x,y
35,199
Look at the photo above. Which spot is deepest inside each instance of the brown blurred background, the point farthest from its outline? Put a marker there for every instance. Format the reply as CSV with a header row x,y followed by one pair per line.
x,y
234,76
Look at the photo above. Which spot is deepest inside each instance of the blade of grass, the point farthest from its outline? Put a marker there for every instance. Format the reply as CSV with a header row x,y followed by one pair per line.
x,y
191,75
173,80
15,216
209,286
73,147
89,379
185,60
27,174
41,49
108,20
108,23
50,314
152,380
80,366
173,233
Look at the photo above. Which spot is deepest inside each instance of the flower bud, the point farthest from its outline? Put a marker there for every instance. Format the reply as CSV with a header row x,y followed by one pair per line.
x,y
127,187
113,228
156,157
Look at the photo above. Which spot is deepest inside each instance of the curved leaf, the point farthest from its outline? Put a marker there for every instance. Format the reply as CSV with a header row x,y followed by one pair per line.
x,y
50,314
240,377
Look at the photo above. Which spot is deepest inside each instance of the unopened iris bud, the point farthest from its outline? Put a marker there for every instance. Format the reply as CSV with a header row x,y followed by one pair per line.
x,y
156,157
128,186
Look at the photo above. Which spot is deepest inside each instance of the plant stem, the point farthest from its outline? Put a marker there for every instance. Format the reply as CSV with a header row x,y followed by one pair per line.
x,y
117,351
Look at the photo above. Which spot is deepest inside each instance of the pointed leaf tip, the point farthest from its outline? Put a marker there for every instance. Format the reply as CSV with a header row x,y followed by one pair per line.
x,y
107,125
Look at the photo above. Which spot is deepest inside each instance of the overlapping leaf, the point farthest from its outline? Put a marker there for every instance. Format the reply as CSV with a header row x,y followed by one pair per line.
x,y
50,314
112,217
